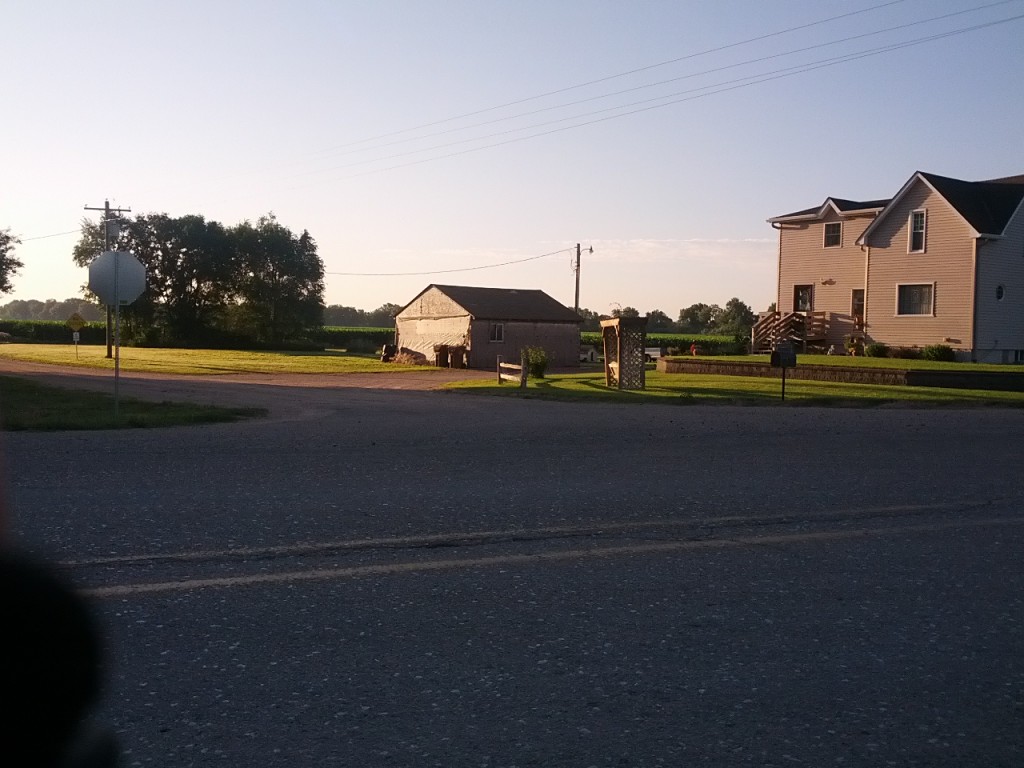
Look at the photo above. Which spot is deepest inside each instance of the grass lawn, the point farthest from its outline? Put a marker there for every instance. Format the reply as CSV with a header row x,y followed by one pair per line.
x,y
686,389
26,405
203,361
871,362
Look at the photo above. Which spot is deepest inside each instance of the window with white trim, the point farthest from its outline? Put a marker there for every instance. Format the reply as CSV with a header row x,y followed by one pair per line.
x,y
497,331
915,299
918,224
833,234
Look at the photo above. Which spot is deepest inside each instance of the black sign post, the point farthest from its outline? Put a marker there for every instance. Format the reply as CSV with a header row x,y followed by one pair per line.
x,y
783,356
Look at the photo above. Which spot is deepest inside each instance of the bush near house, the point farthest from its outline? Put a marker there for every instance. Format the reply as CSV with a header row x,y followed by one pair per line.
x,y
876,349
536,361
942,353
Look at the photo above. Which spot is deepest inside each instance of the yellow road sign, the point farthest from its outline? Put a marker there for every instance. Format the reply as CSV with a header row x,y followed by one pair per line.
x,y
76,322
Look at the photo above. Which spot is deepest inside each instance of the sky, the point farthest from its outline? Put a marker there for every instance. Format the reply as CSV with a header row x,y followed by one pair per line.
x,y
425,141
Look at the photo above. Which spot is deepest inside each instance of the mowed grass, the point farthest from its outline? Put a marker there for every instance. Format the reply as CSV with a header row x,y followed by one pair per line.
x,y
203,361
29,406
692,389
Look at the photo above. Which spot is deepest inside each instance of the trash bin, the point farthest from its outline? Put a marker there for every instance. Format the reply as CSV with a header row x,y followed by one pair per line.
x,y
457,357
441,355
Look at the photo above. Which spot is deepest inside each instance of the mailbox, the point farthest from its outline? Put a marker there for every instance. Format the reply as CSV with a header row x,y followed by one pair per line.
x,y
783,356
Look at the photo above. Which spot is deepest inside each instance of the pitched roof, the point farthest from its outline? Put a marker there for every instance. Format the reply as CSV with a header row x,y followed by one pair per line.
x,y
986,206
838,204
508,304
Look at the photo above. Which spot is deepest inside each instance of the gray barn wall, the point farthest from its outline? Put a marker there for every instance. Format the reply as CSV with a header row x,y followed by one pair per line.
x,y
560,340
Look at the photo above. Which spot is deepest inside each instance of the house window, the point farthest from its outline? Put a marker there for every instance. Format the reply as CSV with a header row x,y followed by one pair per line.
x,y
914,299
1018,355
497,331
917,231
833,234
803,298
857,303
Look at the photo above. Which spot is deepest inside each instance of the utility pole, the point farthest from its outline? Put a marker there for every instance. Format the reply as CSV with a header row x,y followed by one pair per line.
x,y
576,269
108,219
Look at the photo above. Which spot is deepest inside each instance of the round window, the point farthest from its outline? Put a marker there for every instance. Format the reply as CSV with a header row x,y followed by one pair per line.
x,y
1000,292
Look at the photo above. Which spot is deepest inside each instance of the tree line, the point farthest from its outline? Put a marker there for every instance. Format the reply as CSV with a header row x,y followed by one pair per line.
x,y
736,318
206,283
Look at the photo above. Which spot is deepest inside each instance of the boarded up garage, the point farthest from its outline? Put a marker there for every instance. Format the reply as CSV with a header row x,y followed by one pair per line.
x,y
488,322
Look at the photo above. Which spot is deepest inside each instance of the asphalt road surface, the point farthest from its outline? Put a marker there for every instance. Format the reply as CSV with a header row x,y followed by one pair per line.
x,y
414,578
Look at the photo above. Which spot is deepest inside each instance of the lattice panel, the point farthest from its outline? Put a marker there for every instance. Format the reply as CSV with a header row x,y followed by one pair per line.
x,y
632,371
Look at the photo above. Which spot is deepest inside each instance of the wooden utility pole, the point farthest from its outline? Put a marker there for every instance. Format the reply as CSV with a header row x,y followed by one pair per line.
x,y
576,269
107,218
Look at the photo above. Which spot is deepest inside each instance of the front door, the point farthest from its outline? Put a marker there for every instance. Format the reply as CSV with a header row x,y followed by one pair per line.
x,y
803,298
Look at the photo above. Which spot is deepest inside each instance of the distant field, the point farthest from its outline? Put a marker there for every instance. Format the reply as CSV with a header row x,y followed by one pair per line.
x,y
203,361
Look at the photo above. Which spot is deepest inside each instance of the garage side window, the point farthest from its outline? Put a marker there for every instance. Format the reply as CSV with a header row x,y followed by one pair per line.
x,y
497,331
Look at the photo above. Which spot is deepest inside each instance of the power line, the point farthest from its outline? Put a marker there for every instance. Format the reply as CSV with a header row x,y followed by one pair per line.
x,y
55,234
449,271
633,89
626,73
717,88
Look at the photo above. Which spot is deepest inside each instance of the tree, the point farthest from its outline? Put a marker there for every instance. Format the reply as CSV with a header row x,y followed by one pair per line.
x,y
336,314
626,312
280,286
736,319
383,316
9,265
591,320
699,318
659,322
32,309
189,273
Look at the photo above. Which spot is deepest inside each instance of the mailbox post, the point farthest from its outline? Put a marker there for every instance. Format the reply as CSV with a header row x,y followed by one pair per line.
x,y
783,356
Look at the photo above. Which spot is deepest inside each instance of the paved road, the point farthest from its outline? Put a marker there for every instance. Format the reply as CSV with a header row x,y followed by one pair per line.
x,y
419,578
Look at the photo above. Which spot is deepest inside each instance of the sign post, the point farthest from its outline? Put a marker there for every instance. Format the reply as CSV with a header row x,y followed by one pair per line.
x,y
76,322
118,279
783,356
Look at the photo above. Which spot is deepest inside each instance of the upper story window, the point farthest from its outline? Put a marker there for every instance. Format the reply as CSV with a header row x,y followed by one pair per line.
x,y
914,299
497,332
833,234
918,222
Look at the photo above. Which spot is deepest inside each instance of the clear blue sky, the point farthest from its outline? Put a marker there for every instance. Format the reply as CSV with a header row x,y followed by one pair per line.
x,y
233,109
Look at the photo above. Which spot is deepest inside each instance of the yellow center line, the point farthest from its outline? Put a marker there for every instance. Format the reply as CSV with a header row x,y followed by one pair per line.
x,y
327,574
516,533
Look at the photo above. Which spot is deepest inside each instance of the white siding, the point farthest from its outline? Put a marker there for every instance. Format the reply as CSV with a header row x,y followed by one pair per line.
x,y
1000,324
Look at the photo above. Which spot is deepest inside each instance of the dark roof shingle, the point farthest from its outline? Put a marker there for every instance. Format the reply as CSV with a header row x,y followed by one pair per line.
x,y
509,304
986,205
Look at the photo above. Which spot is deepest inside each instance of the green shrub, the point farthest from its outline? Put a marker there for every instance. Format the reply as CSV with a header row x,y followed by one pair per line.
x,y
52,331
536,361
939,352
876,349
905,353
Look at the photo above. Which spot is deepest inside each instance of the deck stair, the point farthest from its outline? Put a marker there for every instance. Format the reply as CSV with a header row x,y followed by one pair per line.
x,y
801,328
